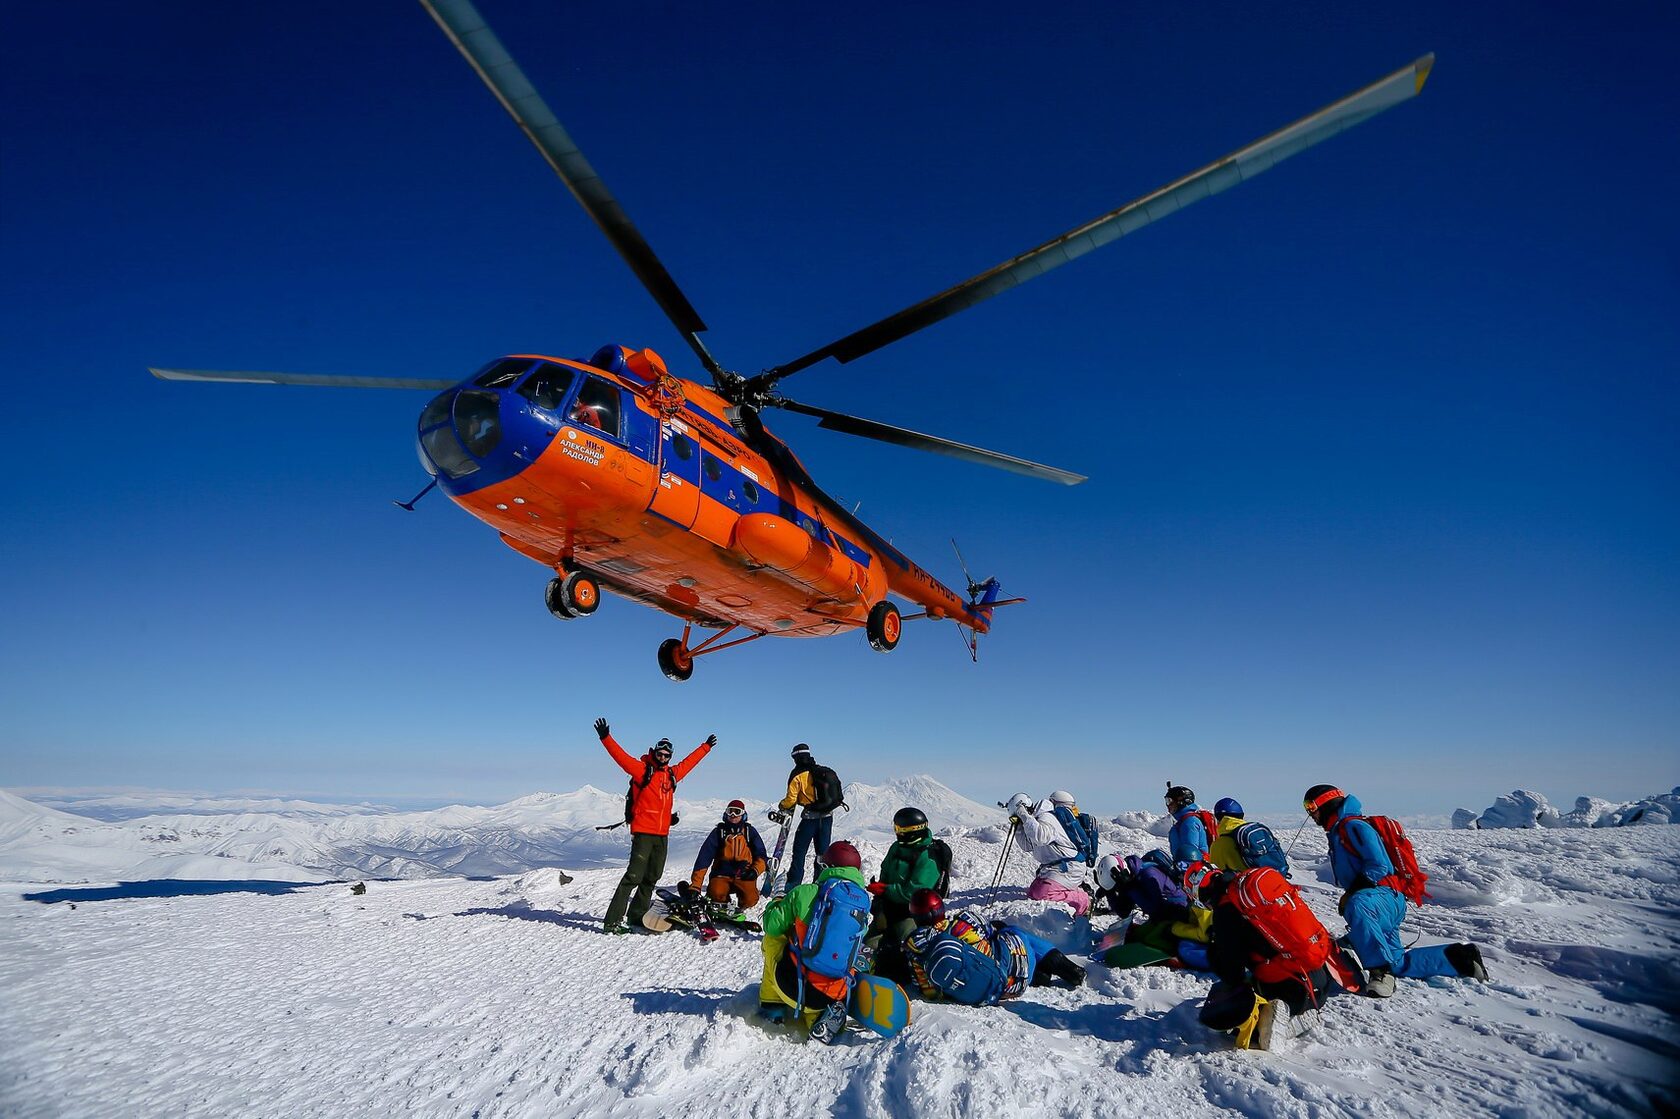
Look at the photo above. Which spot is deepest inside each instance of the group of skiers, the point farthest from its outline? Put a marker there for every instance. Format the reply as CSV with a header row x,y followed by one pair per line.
x,y
1218,899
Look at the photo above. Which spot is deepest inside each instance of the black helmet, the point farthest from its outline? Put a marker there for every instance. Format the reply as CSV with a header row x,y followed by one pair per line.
x,y
663,746
1322,802
927,907
908,820
1179,795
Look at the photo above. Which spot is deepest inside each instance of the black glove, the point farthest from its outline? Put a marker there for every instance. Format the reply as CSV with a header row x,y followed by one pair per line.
x,y
777,817
711,740
686,889
601,729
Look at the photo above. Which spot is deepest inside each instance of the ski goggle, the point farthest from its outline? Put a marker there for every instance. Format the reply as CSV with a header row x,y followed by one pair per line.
x,y
1313,805
906,829
734,813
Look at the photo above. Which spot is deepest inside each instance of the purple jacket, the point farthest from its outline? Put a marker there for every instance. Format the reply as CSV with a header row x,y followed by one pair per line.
x,y
1153,892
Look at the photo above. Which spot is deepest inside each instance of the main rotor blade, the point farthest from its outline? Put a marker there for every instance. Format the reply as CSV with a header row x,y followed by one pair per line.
x,y
1222,174
484,52
327,380
904,437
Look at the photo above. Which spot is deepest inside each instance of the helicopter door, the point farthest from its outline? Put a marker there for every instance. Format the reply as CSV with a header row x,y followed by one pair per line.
x,y
677,497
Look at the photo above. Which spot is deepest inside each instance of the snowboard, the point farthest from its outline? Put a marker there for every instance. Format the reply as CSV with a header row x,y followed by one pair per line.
x,y
656,920
774,868
1137,955
880,1005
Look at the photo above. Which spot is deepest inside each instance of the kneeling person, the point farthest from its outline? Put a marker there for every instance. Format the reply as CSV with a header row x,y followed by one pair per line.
x,y
962,957
734,853
816,979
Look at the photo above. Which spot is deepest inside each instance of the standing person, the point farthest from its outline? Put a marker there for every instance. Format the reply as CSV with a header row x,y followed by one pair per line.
x,y
1372,901
1060,866
817,791
1193,827
1268,950
734,853
963,957
653,788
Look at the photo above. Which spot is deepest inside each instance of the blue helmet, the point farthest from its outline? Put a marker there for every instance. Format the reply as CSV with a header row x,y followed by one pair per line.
x,y
1227,806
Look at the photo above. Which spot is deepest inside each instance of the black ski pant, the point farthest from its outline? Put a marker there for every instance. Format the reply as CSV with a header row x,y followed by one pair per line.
x,y
647,863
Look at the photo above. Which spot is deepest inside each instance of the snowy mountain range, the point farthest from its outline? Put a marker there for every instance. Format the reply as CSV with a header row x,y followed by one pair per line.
x,y
1522,808
301,840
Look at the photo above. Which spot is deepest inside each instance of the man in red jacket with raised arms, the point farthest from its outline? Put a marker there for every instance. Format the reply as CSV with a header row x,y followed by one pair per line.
x,y
653,787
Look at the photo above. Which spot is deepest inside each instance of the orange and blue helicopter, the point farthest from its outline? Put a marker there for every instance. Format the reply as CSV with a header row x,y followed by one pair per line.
x,y
618,475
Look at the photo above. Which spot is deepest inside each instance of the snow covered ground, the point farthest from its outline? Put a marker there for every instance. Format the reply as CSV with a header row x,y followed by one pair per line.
x,y
450,996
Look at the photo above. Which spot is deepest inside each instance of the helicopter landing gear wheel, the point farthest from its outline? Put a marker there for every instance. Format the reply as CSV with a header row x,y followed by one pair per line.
x,y
675,661
580,594
554,598
884,627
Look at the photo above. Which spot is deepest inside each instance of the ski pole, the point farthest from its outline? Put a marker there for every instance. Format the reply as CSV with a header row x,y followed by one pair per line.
x,y
1293,840
1003,861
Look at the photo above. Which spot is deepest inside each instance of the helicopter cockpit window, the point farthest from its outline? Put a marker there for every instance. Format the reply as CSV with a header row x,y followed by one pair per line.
x,y
597,407
443,448
503,373
548,386
437,411
478,420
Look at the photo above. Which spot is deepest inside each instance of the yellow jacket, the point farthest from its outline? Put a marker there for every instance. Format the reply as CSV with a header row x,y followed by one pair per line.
x,y
800,790
1224,854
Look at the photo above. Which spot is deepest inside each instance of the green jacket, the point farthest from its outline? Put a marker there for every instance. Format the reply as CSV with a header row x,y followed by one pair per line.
x,y
907,868
781,914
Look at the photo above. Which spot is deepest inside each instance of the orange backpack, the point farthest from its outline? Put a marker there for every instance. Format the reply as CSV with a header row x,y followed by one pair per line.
x,y
1408,878
1278,912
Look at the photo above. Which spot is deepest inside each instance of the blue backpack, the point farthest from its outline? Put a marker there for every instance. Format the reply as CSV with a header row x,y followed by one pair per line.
x,y
1082,829
1162,862
1259,847
834,931
962,971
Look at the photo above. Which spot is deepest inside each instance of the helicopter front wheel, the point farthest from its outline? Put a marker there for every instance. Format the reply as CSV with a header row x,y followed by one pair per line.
x,y
554,597
883,627
675,661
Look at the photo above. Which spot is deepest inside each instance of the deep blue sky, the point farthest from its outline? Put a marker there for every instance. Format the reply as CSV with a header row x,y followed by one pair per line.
x,y
1381,445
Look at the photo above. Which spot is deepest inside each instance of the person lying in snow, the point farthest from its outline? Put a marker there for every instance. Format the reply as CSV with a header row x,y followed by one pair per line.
x,y
962,957
1375,891
1269,950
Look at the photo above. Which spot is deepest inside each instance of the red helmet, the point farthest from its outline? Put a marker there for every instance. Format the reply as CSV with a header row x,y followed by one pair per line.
x,y
841,853
927,907
1195,875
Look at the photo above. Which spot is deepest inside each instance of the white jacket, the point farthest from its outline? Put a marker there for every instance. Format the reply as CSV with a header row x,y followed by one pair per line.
x,y
1042,836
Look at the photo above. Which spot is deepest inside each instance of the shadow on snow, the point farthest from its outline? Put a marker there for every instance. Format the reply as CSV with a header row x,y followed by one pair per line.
x,y
168,888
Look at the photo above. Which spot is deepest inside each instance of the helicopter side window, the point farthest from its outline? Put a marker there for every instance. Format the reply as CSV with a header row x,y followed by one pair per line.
x,y
548,386
682,445
750,489
501,374
597,406
711,467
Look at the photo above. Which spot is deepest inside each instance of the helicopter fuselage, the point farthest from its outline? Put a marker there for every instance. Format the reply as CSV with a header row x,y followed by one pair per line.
x,y
639,478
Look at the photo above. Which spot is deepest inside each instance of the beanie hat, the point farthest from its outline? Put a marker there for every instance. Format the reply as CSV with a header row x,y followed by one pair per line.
x,y
801,749
741,804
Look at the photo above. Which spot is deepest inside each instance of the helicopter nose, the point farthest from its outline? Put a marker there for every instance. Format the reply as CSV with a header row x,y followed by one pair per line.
x,y
459,430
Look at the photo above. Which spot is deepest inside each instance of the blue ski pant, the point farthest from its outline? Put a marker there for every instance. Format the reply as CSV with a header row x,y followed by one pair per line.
x,y
1373,919
812,829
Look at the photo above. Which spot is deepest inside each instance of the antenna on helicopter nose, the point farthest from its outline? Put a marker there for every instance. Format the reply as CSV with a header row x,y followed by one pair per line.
x,y
409,504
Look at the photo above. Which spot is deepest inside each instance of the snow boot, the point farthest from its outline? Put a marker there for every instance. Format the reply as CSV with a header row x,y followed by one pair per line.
x,y
615,928
1055,965
1466,959
1256,1033
774,1012
1379,983
830,1024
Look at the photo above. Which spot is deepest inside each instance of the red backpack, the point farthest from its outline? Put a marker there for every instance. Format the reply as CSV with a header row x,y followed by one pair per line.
x,y
1280,915
1209,824
1408,878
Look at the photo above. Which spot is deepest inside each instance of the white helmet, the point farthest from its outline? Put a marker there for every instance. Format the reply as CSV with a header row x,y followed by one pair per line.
x,y
1062,796
1108,871
1018,805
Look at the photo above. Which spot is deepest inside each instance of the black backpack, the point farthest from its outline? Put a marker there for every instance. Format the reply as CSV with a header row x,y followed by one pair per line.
x,y
826,790
941,852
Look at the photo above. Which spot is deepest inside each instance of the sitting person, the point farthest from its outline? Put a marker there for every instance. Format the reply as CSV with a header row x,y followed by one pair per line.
x,y
734,853
912,863
962,957
793,983
1170,918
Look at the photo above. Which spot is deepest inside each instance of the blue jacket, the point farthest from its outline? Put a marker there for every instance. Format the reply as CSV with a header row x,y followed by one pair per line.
x,y
1368,859
1188,841
1153,892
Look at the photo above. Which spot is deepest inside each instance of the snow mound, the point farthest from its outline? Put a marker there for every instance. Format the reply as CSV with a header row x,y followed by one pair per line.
x,y
1524,809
